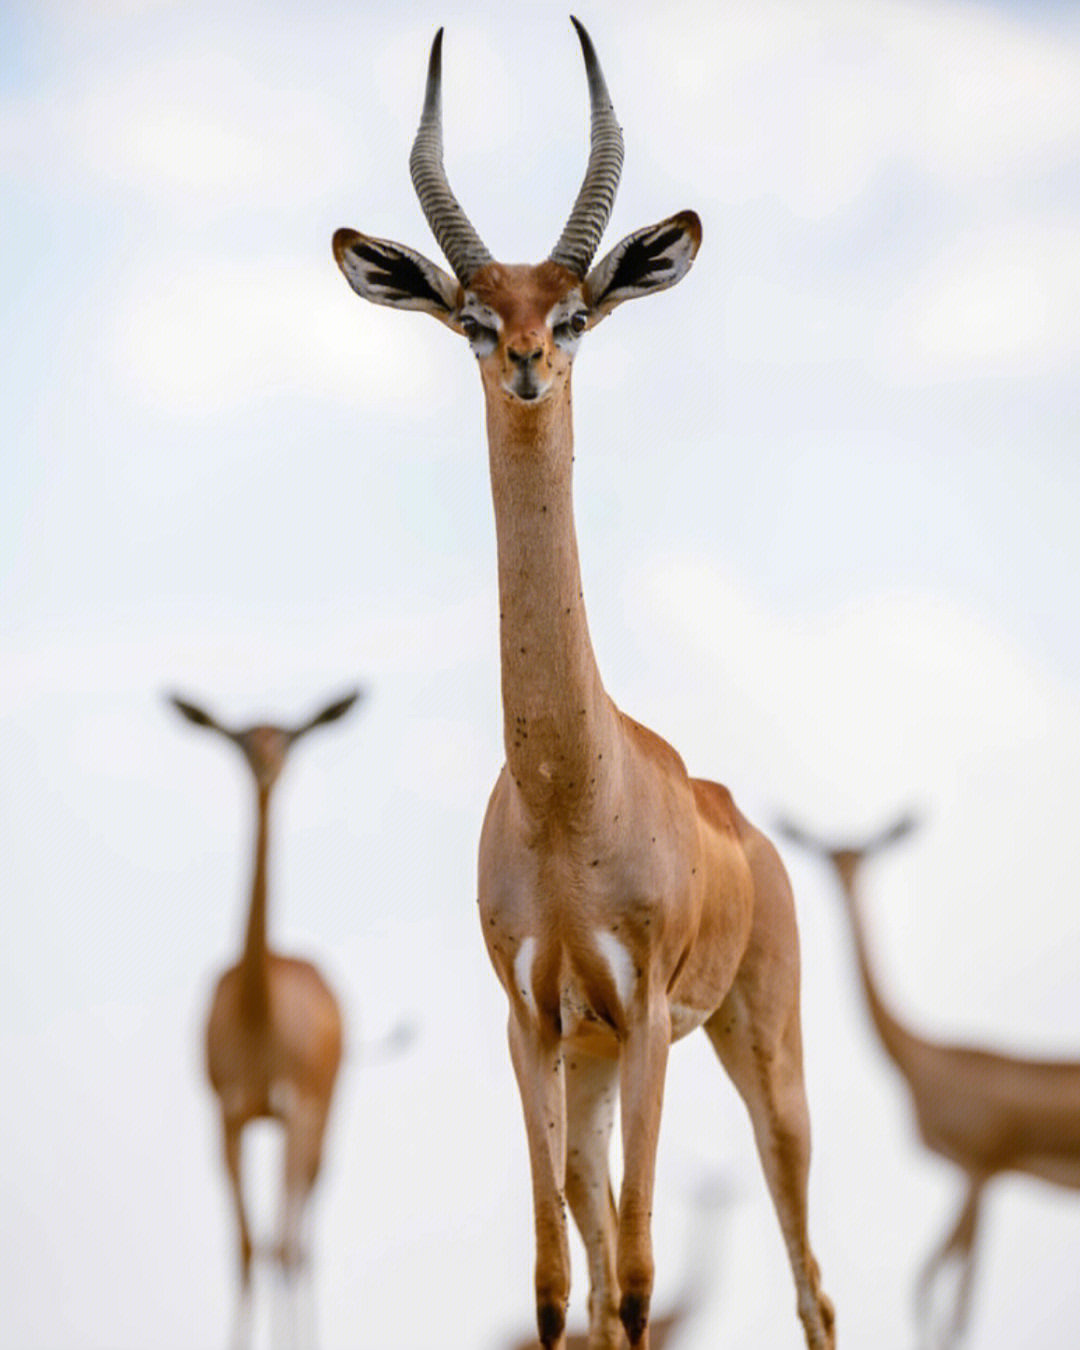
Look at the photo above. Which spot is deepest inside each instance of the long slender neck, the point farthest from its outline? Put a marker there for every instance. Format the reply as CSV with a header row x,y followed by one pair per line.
x,y
254,975
557,720
898,1041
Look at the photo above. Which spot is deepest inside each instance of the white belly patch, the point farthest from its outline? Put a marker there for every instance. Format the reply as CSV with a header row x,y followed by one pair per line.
x,y
576,1009
523,964
620,963
282,1098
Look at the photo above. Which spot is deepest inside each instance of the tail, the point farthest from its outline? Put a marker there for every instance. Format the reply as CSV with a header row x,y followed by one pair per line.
x,y
387,1047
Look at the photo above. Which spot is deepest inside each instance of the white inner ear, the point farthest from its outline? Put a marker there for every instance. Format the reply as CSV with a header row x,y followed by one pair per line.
x,y
679,254
368,277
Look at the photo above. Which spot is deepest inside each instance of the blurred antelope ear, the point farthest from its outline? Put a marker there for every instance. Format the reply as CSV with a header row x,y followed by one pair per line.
x,y
331,712
195,714
647,260
391,274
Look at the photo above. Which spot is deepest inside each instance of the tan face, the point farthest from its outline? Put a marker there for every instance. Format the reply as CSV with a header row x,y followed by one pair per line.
x,y
523,324
265,749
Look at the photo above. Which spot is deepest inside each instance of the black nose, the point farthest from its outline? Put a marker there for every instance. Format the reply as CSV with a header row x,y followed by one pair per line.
x,y
524,358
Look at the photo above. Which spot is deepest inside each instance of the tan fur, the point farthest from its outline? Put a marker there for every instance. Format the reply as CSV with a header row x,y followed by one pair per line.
x,y
988,1113
594,827
623,903
274,1031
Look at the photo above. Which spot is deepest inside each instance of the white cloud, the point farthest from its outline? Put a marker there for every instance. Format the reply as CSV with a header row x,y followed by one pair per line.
x,y
997,302
808,103
1000,300
480,112
765,320
859,706
445,761
196,335
296,654
194,130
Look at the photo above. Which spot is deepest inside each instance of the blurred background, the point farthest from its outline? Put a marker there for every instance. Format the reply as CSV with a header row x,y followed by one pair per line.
x,y
827,499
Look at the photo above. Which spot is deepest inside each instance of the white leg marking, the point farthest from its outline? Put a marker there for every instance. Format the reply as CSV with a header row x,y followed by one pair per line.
x,y
523,962
620,963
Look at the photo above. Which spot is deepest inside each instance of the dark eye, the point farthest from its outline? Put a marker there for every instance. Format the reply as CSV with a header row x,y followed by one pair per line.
x,y
470,327
571,328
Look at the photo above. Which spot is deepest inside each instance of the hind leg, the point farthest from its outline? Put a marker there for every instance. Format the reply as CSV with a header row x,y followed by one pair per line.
x,y
959,1243
232,1129
757,1036
304,1128
591,1093
770,1081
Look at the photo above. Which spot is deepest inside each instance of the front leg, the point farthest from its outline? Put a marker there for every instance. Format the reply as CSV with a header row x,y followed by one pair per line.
x,y
538,1064
592,1087
643,1066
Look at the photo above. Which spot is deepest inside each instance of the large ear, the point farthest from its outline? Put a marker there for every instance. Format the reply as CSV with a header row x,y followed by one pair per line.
x,y
391,274
902,827
196,714
647,260
330,713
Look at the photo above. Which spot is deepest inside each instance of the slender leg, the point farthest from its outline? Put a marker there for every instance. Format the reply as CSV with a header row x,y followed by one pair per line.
x,y
959,1242
304,1130
538,1065
303,1153
233,1128
967,1254
591,1091
643,1066
756,1034
769,1078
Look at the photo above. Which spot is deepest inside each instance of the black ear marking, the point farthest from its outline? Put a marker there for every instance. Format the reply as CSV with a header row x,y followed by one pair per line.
x,y
392,274
642,260
651,259
397,274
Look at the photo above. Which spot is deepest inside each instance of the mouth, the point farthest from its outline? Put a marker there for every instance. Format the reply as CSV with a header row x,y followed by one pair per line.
x,y
525,388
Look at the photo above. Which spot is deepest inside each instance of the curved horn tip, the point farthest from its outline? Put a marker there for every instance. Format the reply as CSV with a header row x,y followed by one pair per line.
x,y
592,61
434,75
583,35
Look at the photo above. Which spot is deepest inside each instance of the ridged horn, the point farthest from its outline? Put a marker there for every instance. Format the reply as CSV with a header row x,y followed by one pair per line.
x,y
581,237
462,246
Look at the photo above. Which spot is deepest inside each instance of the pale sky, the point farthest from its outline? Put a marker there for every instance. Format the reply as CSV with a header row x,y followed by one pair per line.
x,y
827,504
